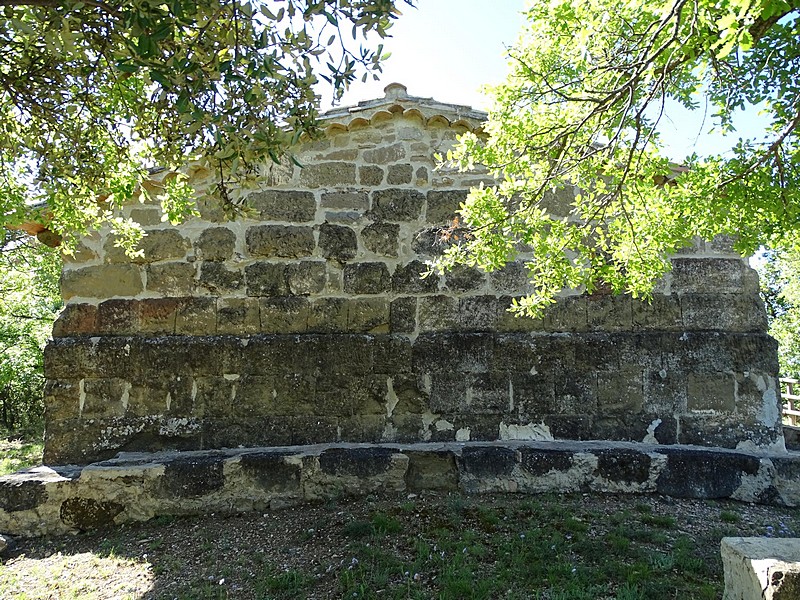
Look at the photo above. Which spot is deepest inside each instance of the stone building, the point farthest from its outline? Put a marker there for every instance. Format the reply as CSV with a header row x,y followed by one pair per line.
x,y
308,322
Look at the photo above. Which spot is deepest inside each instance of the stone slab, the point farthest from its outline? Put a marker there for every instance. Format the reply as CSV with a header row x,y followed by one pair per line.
x,y
761,568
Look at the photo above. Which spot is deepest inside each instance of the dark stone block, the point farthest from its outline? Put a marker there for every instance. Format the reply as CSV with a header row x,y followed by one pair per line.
x,y
399,174
366,278
381,238
86,513
703,473
358,201
434,241
534,395
409,279
356,462
391,354
215,244
171,279
76,319
219,279
462,278
443,205
396,204
283,241
453,353
693,275
479,313
431,471
314,430
306,277
403,315
570,427
540,461
157,316
512,278
117,317
192,477
266,279
337,242
623,465
271,472
328,315
273,205
491,461
21,493
370,175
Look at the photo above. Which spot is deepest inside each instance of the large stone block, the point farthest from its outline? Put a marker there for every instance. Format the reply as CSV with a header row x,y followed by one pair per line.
x,y
328,315
117,317
350,200
761,568
281,241
328,174
276,205
443,204
171,278
266,279
284,315
366,278
385,154
692,473
414,278
400,174
76,319
101,281
337,242
381,238
722,275
306,277
215,244
219,279
156,245
238,316
396,204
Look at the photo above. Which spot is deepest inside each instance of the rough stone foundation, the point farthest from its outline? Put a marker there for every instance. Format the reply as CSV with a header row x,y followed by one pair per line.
x,y
135,487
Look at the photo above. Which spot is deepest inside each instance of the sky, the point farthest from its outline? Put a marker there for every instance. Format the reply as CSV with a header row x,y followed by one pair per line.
x,y
448,49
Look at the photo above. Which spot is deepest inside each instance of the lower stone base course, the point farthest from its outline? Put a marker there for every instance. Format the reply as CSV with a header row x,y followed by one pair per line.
x,y
137,487
761,568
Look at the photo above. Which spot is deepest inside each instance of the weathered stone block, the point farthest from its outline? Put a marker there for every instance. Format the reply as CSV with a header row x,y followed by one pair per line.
x,y
87,513
266,279
238,316
431,471
391,355
219,279
366,278
703,473
381,238
620,392
370,175
443,205
328,174
104,398
479,313
156,245
608,312
101,281
568,314
368,315
215,244
403,315
414,278
541,461
351,200
439,313
328,315
275,205
346,395
283,241
196,316
453,353
511,279
314,430
711,392
761,568
462,278
76,319
385,154
575,393
434,241
284,315
117,317
306,277
488,461
660,312
724,275
158,315
21,493
270,472
626,466
395,204
147,216
171,279
61,399
724,312
399,174
534,394
508,321
192,477
337,242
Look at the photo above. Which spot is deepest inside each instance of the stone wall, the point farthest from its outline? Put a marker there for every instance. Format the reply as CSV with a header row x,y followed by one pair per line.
x,y
308,322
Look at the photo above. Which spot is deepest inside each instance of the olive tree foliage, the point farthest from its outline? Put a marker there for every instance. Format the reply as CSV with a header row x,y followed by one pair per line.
x,y
94,93
589,83
29,303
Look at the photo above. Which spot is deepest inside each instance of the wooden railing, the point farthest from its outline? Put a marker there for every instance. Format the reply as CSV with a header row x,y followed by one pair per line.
x,y
791,401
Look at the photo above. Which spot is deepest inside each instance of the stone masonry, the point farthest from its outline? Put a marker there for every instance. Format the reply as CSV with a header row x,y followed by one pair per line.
x,y
307,321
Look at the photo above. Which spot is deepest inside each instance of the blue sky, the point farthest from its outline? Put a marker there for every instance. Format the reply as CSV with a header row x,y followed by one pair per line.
x,y
447,49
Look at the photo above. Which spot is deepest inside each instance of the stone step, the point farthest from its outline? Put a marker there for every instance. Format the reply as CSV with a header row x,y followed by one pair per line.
x,y
140,486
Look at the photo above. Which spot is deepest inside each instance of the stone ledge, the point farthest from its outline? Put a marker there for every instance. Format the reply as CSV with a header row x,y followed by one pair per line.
x,y
761,568
140,486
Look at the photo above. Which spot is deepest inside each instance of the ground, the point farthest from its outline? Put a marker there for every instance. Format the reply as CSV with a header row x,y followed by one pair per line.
x,y
580,546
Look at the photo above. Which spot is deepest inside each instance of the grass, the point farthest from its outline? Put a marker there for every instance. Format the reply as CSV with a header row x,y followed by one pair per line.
x,y
552,547
18,453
